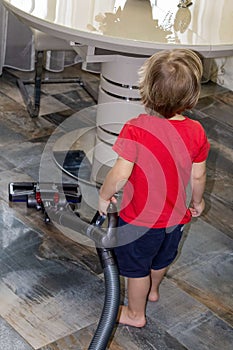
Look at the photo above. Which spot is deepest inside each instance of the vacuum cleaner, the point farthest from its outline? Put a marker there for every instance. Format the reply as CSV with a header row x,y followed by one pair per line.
x,y
104,240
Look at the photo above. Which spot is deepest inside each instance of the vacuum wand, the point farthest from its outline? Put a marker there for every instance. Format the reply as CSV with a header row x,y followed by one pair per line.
x,y
101,237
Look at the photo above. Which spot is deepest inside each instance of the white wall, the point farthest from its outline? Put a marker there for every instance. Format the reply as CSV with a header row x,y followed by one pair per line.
x,y
3,26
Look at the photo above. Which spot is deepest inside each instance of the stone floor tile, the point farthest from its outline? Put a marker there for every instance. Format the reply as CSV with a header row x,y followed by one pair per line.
x,y
188,320
45,300
10,339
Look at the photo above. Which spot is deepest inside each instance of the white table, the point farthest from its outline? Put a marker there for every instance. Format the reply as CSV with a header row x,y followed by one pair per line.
x,y
133,26
121,33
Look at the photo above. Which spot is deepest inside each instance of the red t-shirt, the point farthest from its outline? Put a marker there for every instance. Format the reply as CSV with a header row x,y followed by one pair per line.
x,y
162,152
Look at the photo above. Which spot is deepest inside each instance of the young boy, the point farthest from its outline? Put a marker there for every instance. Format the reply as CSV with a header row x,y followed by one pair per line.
x,y
159,153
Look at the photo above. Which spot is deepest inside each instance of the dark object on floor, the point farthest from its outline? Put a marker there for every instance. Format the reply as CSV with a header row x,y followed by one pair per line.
x,y
74,162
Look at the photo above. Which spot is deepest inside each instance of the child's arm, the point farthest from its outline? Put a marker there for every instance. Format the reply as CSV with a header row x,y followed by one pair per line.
x,y
198,180
114,181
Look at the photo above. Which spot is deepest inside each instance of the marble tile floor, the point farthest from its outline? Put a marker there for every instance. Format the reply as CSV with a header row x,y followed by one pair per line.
x,y
52,288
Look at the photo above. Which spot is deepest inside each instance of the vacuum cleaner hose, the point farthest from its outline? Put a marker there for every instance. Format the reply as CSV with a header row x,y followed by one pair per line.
x,y
110,310
104,242
112,284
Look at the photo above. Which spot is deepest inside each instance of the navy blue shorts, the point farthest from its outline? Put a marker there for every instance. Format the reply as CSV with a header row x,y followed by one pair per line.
x,y
155,250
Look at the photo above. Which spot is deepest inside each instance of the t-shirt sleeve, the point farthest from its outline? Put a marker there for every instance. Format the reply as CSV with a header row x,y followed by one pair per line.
x,y
126,143
204,146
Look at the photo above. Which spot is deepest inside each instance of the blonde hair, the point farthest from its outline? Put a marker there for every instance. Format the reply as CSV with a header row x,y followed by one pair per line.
x,y
169,81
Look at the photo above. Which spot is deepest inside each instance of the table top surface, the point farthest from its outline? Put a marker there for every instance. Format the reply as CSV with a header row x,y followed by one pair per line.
x,y
133,26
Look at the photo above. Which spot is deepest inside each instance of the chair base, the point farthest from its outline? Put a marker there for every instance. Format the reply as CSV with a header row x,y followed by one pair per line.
x,y
32,103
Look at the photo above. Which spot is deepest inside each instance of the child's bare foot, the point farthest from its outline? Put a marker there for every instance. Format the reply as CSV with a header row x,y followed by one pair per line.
x,y
153,296
126,318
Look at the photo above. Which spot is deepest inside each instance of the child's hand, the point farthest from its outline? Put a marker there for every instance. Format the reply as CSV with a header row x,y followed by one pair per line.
x,y
197,208
104,204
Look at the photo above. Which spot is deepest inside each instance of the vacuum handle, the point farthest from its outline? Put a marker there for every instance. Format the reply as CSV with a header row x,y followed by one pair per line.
x,y
109,240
